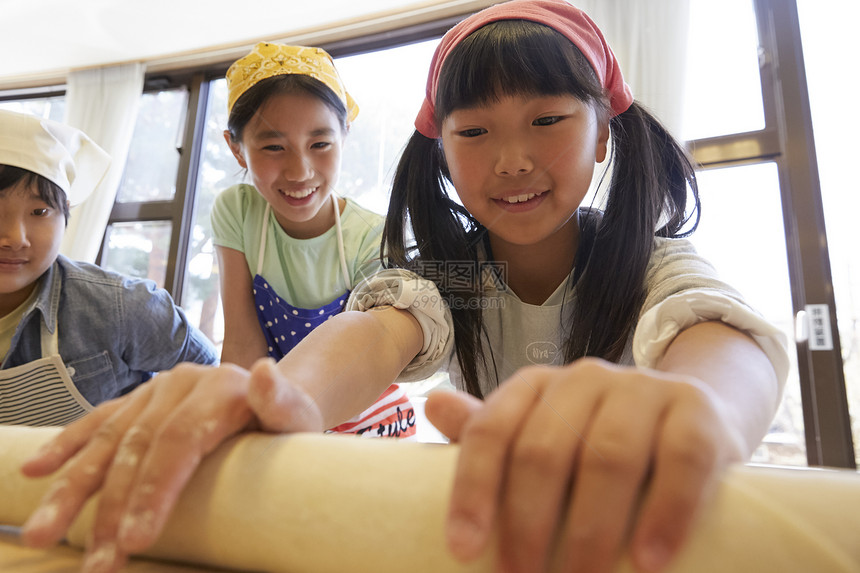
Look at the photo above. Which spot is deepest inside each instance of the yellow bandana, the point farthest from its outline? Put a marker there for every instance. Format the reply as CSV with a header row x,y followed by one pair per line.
x,y
267,60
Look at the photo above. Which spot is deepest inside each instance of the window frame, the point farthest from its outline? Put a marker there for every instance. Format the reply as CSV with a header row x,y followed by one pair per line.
x,y
178,210
787,140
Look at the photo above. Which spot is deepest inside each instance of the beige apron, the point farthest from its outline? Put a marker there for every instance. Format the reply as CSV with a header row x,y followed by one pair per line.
x,y
41,392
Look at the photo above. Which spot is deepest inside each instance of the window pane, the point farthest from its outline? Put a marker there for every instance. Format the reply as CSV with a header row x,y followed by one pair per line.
x,y
153,157
53,108
761,274
836,128
138,249
384,124
723,91
218,170
386,117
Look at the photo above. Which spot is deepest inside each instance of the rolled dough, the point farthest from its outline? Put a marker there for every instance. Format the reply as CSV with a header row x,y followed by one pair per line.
x,y
308,503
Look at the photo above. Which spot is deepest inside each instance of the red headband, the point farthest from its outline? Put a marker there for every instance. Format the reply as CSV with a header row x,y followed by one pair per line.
x,y
568,20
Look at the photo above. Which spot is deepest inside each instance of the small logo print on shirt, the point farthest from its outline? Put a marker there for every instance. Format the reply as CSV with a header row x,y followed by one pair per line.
x,y
542,352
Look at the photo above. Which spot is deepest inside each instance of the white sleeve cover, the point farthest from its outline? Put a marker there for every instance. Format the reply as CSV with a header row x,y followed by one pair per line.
x,y
408,291
662,322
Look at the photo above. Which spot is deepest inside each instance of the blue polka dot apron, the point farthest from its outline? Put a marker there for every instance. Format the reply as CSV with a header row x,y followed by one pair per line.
x,y
285,325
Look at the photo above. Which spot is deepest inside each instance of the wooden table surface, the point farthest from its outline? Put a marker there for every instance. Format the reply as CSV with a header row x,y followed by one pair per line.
x,y
16,558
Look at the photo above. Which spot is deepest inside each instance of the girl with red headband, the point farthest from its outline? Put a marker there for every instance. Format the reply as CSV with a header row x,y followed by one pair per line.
x,y
619,375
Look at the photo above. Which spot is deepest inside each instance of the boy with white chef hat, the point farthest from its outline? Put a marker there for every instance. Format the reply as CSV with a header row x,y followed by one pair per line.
x,y
72,335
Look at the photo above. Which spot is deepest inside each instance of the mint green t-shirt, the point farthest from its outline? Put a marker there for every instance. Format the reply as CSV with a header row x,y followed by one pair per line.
x,y
304,272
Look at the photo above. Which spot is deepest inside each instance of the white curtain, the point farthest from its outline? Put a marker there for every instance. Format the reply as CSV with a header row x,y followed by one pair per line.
x,y
649,38
103,103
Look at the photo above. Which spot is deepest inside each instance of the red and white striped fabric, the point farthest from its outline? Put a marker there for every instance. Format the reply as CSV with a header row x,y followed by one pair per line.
x,y
391,416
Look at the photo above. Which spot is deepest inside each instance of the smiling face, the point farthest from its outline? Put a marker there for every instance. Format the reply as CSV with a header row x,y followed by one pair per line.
x,y
292,149
30,236
523,164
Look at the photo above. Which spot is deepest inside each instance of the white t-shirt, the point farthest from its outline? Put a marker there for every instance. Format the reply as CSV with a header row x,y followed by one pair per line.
x,y
682,289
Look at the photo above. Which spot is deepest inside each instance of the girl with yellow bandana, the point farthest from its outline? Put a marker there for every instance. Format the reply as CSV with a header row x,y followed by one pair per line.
x,y
289,249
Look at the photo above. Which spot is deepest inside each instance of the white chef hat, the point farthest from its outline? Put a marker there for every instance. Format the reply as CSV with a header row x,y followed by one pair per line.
x,y
56,151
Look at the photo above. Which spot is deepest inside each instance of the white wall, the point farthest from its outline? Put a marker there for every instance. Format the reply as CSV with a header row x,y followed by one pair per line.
x,y
41,40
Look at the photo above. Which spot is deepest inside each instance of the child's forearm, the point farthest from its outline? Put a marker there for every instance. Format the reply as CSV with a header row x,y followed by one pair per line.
x,y
735,368
348,361
242,353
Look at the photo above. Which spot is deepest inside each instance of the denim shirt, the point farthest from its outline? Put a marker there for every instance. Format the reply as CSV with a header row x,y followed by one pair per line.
x,y
114,331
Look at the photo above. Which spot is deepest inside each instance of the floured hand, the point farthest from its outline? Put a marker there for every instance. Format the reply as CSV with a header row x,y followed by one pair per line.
x,y
139,451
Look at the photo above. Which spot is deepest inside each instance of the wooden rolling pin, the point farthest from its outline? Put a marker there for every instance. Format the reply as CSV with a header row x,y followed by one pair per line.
x,y
308,503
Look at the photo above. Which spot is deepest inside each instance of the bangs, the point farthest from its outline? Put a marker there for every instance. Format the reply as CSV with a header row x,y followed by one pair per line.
x,y
48,191
250,101
513,58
